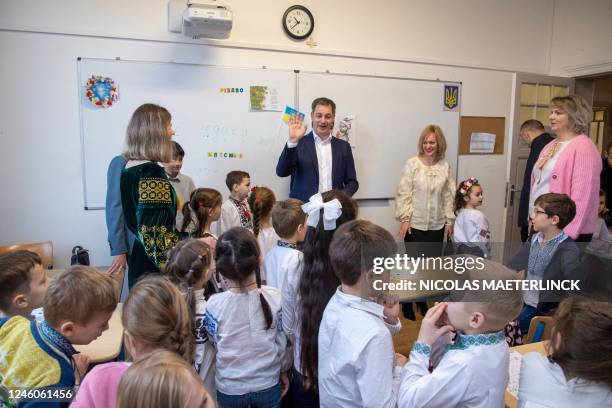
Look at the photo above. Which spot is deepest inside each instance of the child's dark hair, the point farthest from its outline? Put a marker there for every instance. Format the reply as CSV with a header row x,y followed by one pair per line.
x,y
557,204
261,202
235,177
318,284
355,246
585,347
464,189
201,202
287,216
237,258
602,194
177,151
187,262
15,275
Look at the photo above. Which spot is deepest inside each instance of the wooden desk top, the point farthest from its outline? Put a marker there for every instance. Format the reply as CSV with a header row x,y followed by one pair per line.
x,y
108,346
540,347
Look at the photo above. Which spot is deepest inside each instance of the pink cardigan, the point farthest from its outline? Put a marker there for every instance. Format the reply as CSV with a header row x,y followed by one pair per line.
x,y
576,173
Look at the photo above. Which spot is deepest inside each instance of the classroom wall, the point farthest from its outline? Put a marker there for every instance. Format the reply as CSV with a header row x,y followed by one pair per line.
x,y
582,34
39,123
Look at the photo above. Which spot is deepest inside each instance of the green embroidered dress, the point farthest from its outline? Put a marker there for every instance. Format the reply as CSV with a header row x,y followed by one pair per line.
x,y
149,208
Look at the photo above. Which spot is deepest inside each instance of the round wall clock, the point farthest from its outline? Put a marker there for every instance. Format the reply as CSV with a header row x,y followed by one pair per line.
x,y
298,22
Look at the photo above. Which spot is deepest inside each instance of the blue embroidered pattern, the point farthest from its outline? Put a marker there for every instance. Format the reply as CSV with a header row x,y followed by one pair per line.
x,y
57,339
199,330
210,325
464,341
286,244
422,348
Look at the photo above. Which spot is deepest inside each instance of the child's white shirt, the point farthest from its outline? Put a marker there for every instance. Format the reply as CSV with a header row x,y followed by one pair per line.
x,y
204,355
472,373
472,229
230,216
356,357
249,356
267,239
279,263
543,384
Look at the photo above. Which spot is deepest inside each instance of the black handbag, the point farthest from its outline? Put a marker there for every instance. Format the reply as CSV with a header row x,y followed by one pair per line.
x,y
80,256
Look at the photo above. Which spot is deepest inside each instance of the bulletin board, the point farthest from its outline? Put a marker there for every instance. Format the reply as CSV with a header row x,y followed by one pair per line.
x,y
481,124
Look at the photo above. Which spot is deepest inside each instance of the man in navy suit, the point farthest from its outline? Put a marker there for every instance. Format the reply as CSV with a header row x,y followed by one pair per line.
x,y
317,161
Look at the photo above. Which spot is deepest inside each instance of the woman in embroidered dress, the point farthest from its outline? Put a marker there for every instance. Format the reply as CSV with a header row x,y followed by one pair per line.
x,y
570,164
149,201
424,201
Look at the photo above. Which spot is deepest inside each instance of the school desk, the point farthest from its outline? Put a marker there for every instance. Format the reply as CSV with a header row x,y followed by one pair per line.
x,y
539,347
108,346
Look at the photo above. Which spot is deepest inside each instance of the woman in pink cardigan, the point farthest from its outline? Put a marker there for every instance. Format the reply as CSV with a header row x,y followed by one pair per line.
x,y
570,164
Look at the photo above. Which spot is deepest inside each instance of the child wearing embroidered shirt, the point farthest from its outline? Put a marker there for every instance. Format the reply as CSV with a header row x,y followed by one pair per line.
x,y
471,232
182,183
289,222
23,284
235,210
77,308
188,266
155,317
261,201
577,373
473,370
551,254
355,348
243,323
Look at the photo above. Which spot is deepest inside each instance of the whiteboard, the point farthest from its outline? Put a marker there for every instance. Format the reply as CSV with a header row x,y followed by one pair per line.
x,y
390,114
206,120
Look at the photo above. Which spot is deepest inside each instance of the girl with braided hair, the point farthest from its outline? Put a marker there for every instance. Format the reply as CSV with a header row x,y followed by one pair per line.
x,y
189,267
243,323
262,201
155,317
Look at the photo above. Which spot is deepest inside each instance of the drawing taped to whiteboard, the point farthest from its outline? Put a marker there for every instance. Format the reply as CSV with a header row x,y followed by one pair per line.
x,y
264,98
347,130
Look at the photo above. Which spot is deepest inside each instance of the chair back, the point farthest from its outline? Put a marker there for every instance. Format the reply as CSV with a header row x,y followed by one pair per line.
x,y
540,329
43,249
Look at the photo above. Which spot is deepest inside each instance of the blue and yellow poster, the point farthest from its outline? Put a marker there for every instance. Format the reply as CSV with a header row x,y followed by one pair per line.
x,y
451,97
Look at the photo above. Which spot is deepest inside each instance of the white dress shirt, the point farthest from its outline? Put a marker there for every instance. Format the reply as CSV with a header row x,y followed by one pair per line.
x,y
230,217
356,356
290,312
544,385
473,372
249,356
324,160
279,263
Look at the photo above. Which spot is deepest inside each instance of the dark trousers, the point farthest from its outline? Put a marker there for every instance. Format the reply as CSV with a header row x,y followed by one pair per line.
x,y
302,398
414,239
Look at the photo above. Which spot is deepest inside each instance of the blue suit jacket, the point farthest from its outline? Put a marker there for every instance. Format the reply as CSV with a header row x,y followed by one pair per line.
x,y
301,164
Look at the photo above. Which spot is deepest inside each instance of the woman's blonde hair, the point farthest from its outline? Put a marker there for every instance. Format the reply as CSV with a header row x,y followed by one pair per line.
x,y
160,379
440,140
578,111
156,313
147,134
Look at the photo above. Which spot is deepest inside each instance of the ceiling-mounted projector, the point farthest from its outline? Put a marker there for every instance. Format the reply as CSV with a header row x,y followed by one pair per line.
x,y
201,18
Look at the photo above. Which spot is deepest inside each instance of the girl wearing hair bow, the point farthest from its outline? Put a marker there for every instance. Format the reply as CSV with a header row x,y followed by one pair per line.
x,y
307,292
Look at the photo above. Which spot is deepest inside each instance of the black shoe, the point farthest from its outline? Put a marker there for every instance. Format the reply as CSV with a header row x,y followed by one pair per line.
x,y
408,311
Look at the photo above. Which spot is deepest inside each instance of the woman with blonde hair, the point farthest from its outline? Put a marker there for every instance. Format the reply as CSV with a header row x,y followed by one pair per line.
x,y
570,165
162,379
424,201
148,199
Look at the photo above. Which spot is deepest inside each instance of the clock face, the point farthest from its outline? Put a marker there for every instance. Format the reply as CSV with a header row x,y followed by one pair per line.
x,y
298,22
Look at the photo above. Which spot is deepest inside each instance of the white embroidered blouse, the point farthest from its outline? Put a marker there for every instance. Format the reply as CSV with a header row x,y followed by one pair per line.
x,y
425,195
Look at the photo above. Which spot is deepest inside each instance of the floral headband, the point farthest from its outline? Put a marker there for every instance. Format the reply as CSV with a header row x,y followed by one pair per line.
x,y
465,185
